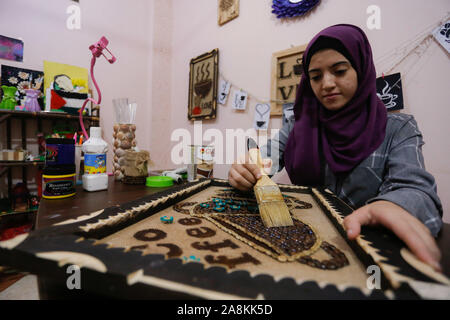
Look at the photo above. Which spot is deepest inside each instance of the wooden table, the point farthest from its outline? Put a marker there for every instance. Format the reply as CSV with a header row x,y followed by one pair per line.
x,y
84,202
55,211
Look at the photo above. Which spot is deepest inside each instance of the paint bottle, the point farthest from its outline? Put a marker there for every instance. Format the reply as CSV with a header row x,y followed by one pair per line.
x,y
58,181
95,177
59,151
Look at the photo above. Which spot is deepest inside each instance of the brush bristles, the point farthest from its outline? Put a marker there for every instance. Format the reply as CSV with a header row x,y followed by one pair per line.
x,y
275,214
272,208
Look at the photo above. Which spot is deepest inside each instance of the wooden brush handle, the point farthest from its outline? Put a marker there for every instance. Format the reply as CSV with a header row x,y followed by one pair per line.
x,y
255,157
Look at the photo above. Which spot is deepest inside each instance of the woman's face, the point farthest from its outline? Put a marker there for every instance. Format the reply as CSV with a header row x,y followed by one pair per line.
x,y
332,78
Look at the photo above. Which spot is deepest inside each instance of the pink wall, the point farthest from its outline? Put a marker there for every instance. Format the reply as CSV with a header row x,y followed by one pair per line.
x,y
155,40
246,45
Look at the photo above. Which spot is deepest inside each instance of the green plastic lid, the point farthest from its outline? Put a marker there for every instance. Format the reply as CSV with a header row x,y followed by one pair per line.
x,y
159,181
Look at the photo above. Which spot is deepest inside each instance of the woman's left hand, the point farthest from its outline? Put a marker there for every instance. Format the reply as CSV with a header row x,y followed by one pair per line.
x,y
407,227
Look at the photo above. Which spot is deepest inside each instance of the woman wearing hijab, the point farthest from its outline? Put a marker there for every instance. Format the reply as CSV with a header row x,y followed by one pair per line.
x,y
343,139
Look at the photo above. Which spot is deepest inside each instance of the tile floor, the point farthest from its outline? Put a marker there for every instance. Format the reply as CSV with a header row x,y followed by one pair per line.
x,y
24,289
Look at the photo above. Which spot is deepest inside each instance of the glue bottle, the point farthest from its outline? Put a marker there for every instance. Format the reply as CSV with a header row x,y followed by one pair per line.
x,y
95,177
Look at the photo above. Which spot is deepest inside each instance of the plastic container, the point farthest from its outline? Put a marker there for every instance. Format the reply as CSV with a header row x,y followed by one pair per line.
x,y
59,151
159,181
95,177
58,181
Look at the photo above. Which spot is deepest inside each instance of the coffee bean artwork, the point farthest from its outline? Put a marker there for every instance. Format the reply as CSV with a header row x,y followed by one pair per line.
x,y
216,247
239,216
225,228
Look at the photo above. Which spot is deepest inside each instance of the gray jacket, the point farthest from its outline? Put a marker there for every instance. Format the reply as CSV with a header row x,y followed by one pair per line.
x,y
394,172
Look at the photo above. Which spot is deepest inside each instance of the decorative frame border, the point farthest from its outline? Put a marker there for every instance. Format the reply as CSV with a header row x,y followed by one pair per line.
x,y
117,272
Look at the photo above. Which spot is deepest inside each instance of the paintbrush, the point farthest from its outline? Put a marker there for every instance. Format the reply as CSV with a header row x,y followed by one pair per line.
x,y
272,207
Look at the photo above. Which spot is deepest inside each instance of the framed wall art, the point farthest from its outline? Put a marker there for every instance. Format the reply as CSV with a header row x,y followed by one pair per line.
x,y
287,70
11,49
389,90
23,79
227,11
203,81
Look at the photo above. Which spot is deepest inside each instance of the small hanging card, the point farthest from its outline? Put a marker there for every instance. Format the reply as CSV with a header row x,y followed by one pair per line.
x,y
288,112
442,35
262,116
224,90
389,90
240,100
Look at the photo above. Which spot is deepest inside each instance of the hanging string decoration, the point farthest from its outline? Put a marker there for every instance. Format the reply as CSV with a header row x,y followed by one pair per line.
x,y
292,8
408,52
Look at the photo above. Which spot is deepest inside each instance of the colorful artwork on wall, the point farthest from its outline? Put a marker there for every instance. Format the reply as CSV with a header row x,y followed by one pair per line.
x,y
59,76
23,80
292,8
66,87
11,49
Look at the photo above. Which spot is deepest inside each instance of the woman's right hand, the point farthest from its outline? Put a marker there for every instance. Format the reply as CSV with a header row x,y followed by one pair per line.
x,y
243,175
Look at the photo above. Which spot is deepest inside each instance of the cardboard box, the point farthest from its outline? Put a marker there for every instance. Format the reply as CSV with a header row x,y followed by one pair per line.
x,y
12,155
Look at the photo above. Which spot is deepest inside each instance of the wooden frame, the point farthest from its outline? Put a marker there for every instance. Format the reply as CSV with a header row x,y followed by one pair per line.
x,y
203,82
286,74
227,10
120,272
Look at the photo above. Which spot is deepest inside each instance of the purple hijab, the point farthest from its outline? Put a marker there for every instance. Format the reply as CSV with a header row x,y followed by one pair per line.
x,y
347,136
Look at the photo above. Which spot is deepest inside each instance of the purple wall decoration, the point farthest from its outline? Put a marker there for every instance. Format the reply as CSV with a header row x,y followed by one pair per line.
x,y
292,8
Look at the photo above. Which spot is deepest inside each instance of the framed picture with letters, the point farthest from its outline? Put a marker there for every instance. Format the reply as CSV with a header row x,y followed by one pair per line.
x,y
287,70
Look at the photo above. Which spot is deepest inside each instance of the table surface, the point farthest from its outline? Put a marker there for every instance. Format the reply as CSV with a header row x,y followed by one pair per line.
x,y
84,202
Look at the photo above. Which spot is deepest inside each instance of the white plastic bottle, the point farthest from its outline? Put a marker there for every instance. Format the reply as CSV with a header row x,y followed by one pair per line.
x,y
95,177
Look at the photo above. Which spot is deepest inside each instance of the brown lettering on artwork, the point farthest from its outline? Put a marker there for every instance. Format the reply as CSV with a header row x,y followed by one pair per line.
x,y
232,262
283,92
142,247
198,233
150,235
282,75
174,250
214,247
189,221
179,207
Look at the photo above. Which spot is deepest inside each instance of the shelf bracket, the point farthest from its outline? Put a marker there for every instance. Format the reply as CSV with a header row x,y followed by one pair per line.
x,y
3,118
3,171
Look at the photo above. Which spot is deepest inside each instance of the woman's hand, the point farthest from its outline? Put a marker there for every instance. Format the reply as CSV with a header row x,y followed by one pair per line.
x,y
407,227
243,174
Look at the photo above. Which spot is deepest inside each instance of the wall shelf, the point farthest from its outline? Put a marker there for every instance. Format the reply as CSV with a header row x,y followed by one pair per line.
x,y
6,116
21,163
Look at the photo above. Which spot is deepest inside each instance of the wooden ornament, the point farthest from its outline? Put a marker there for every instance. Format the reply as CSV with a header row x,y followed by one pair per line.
x,y
227,11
